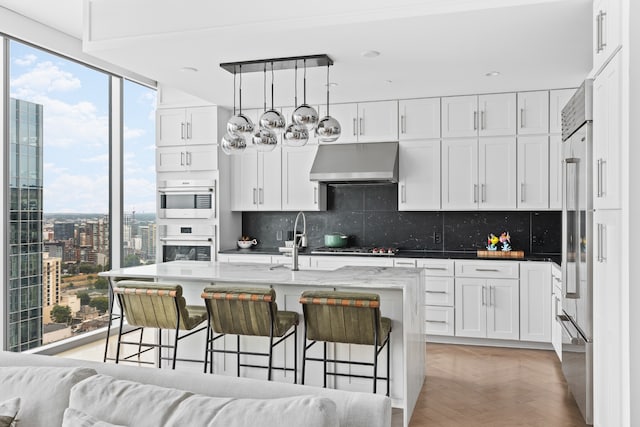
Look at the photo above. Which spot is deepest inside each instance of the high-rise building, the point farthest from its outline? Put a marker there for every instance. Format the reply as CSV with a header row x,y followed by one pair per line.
x,y
51,279
26,224
64,230
148,236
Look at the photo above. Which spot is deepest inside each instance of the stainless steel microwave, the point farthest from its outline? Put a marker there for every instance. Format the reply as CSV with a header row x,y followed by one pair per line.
x,y
187,199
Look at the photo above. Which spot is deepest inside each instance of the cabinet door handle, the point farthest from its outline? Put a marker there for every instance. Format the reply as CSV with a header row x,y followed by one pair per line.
x,y
435,292
475,120
182,130
188,130
522,118
482,120
598,31
436,321
492,295
402,123
255,190
475,193
315,195
522,192
403,195
354,126
484,193
487,269
261,195
436,268
182,158
601,33
404,263
188,158
361,131
483,295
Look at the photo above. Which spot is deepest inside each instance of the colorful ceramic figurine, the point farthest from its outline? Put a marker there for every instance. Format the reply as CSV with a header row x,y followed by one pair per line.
x,y
505,239
492,241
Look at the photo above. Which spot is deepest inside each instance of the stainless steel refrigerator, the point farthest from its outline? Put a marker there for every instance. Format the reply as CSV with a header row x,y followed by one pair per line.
x,y
577,224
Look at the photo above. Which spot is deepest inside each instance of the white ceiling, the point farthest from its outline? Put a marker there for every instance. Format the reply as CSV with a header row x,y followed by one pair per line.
x,y
427,47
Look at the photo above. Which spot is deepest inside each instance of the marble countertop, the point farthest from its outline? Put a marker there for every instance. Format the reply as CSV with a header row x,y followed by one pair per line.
x,y
403,254
240,272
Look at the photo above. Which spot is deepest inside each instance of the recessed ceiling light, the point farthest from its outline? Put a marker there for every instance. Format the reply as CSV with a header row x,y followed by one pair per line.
x,y
492,73
389,81
370,53
189,69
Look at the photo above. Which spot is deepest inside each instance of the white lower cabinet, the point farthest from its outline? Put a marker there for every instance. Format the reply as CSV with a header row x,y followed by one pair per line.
x,y
487,308
535,310
556,307
439,318
333,262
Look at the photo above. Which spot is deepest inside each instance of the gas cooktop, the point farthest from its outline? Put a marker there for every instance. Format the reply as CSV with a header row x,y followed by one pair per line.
x,y
355,251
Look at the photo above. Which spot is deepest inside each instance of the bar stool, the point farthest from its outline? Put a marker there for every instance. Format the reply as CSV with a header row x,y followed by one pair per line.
x,y
156,305
345,317
248,311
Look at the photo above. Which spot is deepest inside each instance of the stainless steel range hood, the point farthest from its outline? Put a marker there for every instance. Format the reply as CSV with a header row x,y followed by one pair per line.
x,y
356,162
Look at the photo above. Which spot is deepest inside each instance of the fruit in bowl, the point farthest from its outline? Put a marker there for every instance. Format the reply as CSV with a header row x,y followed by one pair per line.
x,y
246,242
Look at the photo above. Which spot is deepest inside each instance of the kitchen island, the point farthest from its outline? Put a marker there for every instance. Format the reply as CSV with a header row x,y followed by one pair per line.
x,y
401,293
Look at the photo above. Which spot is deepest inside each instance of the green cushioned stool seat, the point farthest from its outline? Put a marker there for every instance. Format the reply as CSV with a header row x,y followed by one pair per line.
x,y
345,317
239,310
156,305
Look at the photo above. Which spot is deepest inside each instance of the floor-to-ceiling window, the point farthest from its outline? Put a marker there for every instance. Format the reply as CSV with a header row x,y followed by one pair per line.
x,y
59,234
139,186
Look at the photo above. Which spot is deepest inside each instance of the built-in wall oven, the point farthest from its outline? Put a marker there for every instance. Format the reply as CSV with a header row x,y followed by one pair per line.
x,y
187,199
187,242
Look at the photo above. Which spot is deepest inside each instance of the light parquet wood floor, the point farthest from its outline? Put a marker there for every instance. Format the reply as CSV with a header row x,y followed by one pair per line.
x,y
497,387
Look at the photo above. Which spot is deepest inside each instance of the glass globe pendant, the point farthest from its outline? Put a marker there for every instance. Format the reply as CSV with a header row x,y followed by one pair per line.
x,y
294,134
272,119
233,144
305,115
264,139
328,129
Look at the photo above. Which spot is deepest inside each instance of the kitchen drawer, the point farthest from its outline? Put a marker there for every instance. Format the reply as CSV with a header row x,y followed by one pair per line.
x,y
404,262
494,269
260,259
436,267
438,320
439,291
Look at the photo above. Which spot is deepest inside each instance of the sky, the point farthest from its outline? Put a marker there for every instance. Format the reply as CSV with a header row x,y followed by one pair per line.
x,y
75,101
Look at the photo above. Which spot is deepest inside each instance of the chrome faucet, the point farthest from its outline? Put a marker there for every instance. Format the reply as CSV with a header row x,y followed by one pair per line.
x,y
299,239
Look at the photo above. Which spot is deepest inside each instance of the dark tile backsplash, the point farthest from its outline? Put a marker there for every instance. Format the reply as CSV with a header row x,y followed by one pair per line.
x,y
369,215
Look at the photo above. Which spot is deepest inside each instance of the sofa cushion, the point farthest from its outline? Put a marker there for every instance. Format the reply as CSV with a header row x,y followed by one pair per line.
x,y
74,418
8,411
135,404
43,390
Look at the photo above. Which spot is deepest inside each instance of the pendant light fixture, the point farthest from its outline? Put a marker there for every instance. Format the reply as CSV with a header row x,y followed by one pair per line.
x,y
294,134
305,115
239,124
272,119
264,139
328,129
233,142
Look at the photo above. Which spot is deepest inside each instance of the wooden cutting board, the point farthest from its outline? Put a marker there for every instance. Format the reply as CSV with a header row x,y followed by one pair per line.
x,y
500,254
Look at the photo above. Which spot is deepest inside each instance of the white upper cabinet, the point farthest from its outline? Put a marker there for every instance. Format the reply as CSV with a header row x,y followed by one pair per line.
x,y
419,119
257,181
366,121
533,172
459,116
459,174
557,100
419,175
607,30
193,126
533,112
298,192
497,173
378,121
555,172
607,127
183,159
497,114
484,115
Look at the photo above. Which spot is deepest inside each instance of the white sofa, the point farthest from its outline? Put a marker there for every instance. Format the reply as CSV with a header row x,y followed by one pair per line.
x,y
56,391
